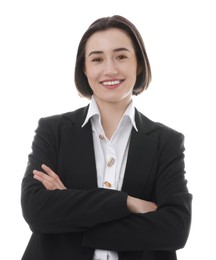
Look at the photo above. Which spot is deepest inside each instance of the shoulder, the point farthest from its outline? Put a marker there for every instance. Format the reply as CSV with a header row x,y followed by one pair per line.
x,y
157,130
75,117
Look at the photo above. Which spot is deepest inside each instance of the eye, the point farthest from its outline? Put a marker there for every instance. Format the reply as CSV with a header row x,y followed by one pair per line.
x,y
121,57
97,59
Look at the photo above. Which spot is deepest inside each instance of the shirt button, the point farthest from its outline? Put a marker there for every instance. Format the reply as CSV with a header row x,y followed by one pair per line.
x,y
101,137
107,184
111,162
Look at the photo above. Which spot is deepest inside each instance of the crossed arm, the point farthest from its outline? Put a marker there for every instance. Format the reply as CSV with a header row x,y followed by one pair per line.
x,y
97,211
51,181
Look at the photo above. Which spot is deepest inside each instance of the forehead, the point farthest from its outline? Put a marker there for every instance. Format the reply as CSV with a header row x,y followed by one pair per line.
x,y
110,38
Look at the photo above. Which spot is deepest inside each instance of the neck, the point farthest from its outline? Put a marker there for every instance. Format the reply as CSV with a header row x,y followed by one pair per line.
x,y
111,114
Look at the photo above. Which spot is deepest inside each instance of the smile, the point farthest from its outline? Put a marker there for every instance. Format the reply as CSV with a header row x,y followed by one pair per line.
x,y
111,83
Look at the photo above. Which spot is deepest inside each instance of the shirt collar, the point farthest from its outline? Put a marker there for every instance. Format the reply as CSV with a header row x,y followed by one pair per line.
x,y
93,110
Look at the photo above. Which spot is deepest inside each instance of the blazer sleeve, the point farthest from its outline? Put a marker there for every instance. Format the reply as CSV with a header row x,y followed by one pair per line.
x,y
62,211
165,229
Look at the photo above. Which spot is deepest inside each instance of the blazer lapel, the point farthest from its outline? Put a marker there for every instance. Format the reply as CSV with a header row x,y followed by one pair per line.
x,y
139,177
78,152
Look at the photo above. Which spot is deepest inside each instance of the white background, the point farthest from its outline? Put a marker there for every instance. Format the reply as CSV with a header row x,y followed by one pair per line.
x,y
38,43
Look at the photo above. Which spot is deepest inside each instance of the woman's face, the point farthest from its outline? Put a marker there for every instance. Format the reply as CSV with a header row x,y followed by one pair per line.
x,y
111,65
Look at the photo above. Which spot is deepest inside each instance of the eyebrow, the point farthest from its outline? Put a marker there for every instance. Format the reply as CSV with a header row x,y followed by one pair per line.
x,y
115,50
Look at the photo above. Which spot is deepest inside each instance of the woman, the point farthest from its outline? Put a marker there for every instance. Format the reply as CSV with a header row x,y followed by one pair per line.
x,y
105,182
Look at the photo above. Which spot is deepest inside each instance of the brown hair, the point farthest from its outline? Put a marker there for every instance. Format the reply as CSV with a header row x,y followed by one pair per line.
x,y
116,21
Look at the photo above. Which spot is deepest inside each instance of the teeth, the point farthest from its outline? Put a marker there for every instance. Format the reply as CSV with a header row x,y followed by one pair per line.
x,y
109,83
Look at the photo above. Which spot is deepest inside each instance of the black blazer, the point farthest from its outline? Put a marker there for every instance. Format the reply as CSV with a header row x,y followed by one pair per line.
x,y
70,224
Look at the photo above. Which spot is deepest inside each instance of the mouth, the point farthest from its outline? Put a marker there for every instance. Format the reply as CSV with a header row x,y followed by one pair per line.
x,y
111,84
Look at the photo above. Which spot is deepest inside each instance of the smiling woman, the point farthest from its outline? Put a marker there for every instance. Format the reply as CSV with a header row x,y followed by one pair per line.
x,y
133,39
111,67
104,181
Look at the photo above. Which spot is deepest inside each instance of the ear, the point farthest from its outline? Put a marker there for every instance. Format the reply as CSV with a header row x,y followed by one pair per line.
x,y
139,69
84,70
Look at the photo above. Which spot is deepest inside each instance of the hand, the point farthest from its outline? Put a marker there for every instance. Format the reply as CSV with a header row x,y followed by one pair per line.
x,y
49,179
136,205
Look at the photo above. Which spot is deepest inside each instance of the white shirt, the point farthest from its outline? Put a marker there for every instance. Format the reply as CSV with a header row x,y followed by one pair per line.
x,y
110,155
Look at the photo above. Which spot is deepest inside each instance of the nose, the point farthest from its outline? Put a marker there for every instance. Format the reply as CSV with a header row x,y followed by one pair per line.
x,y
111,67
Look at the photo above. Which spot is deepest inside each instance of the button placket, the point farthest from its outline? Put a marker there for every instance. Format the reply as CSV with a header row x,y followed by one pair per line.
x,y
111,161
110,171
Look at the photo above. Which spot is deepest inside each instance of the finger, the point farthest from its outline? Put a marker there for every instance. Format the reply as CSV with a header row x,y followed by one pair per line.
x,y
43,175
55,177
37,176
47,184
49,171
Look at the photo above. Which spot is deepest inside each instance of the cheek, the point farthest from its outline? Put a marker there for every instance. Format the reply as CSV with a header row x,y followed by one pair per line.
x,y
88,70
132,71
91,77
91,74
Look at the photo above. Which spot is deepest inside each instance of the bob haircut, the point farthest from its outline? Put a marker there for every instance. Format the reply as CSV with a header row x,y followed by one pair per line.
x,y
144,70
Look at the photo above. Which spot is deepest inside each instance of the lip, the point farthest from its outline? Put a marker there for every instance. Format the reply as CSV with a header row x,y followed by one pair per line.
x,y
111,84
